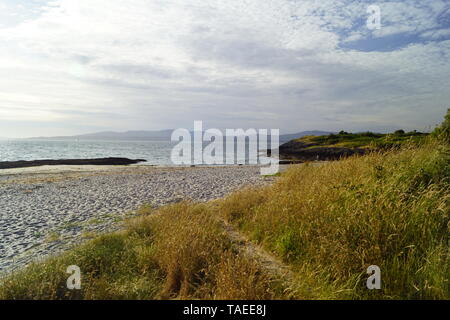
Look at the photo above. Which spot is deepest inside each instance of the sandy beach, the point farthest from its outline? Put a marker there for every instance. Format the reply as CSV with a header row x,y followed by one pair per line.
x,y
44,210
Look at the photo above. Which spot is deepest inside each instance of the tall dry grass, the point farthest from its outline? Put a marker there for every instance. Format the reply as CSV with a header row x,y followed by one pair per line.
x,y
179,252
331,222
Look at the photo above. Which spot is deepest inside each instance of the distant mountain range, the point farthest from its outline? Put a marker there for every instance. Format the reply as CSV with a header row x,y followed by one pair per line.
x,y
161,135
112,135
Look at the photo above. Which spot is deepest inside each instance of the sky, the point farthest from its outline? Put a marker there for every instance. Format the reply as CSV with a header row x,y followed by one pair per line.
x,y
79,66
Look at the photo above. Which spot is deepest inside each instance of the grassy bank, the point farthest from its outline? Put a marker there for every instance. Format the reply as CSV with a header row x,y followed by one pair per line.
x,y
311,235
365,140
330,223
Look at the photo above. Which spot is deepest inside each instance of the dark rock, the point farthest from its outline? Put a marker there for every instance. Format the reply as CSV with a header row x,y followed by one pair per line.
x,y
290,161
77,162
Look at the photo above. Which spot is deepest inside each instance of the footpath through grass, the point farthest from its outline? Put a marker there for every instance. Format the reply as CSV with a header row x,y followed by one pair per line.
x,y
327,224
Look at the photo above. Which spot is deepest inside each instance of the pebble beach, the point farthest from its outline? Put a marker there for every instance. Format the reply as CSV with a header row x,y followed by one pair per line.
x,y
46,210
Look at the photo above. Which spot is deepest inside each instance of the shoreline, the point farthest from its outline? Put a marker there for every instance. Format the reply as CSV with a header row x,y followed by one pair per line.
x,y
49,169
46,210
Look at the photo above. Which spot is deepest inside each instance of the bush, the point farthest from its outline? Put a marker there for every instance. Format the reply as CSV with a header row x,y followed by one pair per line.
x,y
443,131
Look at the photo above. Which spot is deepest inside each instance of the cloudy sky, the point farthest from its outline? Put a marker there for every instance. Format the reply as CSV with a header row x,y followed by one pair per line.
x,y
79,66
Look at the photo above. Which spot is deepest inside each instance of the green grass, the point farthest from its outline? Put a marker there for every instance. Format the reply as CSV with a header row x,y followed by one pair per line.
x,y
364,140
326,223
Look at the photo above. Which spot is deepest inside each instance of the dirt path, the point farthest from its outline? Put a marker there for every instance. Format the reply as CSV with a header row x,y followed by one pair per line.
x,y
274,266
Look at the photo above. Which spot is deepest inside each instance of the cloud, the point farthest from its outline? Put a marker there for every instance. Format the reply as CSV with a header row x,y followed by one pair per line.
x,y
293,65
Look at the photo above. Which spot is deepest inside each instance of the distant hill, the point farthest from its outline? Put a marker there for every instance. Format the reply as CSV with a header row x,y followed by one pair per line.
x,y
112,135
162,135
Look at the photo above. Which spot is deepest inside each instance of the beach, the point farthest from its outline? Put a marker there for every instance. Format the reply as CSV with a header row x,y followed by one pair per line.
x,y
45,210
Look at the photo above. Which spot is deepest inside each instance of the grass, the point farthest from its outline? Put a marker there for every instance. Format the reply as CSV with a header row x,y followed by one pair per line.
x,y
53,236
332,222
326,223
368,140
180,252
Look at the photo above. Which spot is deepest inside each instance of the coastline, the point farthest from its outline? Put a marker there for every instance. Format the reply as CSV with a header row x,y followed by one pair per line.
x,y
46,210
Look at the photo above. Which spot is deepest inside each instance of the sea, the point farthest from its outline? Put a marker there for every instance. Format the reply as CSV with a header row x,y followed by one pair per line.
x,y
154,152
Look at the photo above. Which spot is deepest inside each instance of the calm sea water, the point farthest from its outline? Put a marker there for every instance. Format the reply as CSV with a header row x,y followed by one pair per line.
x,y
155,152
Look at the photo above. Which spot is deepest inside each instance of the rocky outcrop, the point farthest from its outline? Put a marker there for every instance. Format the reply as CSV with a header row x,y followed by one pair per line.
x,y
310,152
76,162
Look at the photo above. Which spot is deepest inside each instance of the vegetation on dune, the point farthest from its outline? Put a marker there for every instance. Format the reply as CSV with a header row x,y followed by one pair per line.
x,y
324,224
181,251
344,144
332,222
367,140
